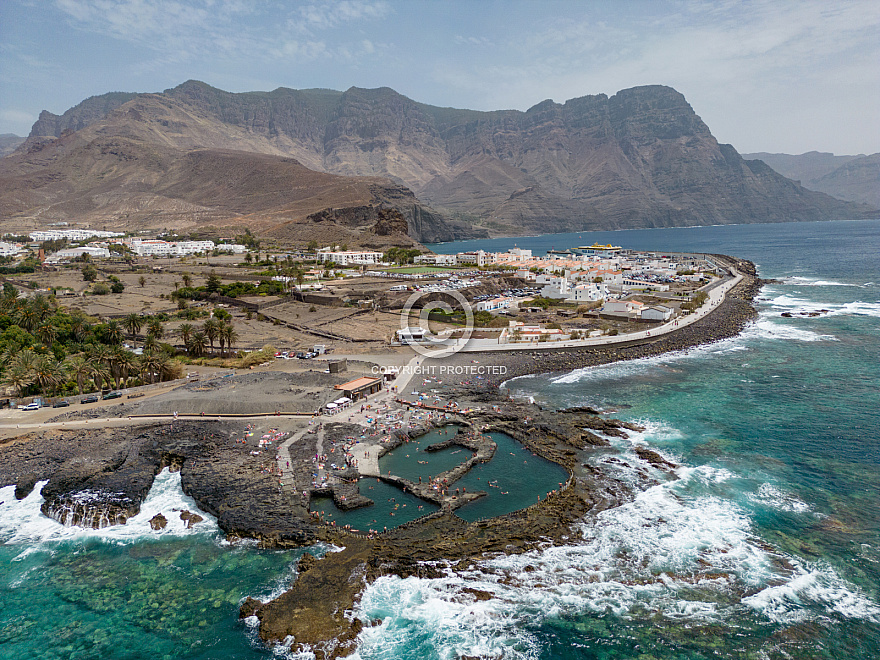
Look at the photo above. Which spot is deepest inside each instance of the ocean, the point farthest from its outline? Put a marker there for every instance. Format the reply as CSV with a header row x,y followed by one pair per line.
x,y
763,543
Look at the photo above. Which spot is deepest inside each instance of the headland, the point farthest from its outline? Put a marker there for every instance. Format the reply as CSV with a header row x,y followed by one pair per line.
x,y
257,449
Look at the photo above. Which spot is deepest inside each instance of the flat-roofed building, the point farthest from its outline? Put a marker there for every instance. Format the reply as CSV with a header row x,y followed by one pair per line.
x,y
360,388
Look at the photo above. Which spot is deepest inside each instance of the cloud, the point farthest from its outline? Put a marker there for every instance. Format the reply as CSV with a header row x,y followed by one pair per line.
x,y
328,15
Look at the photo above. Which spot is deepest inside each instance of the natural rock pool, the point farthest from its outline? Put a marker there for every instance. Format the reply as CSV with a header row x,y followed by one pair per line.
x,y
514,479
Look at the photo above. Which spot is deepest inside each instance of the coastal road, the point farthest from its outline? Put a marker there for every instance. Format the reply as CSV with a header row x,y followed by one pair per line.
x,y
716,294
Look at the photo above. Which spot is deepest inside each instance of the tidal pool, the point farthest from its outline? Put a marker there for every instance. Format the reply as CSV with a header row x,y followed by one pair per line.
x,y
514,479
392,507
411,461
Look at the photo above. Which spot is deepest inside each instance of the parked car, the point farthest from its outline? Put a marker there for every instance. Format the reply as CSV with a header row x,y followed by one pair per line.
x,y
32,406
63,403
92,398
112,395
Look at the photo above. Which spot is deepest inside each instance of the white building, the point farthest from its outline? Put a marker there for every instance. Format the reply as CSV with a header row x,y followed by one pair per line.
x,y
93,252
437,259
156,247
479,258
622,307
234,248
11,249
72,234
588,292
350,257
657,313
411,335
500,304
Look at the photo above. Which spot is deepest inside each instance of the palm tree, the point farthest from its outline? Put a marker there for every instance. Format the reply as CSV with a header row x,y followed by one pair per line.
x,y
168,368
19,377
42,307
211,327
80,369
79,325
132,323
185,331
155,329
9,298
27,316
187,280
46,334
197,343
229,335
113,333
150,344
149,366
47,374
127,363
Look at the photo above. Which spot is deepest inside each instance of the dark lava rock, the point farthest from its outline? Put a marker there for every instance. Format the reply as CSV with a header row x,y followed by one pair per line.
x,y
158,522
25,485
190,518
250,607
478,593
653,458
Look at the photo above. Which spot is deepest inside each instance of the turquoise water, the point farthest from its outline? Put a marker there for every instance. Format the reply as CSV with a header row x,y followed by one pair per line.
x,y
128,592
764,544
514,479
411,461
391,508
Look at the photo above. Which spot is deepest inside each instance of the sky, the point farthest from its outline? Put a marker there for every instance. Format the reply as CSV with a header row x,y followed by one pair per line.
x,y
765,75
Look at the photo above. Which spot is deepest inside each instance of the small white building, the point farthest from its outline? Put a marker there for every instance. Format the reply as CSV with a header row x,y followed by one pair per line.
x,y
11,249
657,313
414,335
622,307
500,304
73,253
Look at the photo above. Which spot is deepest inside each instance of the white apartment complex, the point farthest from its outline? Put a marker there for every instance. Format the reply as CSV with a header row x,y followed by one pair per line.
x,y
350,257
72,234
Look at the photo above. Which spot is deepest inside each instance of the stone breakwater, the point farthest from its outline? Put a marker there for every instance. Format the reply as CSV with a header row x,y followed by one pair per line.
x,y
727,321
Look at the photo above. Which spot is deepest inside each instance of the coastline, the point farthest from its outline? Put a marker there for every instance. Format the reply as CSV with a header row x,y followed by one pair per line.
x,y
313,610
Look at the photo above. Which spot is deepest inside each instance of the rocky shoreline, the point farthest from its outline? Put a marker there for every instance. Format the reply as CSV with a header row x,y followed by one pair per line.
x,y
233,480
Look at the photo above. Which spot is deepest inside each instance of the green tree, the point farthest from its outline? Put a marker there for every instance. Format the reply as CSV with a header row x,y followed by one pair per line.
x,y
113,333
211,328
132,323
117,287
213,282
197,344
90,273
228,335
155,329
142,281
80,369
187,280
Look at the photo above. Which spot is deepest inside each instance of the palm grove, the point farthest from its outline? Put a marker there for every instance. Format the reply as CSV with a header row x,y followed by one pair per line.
x,y
49,350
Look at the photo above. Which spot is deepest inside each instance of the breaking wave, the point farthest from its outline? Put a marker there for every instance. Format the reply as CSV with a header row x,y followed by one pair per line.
x,y
22,522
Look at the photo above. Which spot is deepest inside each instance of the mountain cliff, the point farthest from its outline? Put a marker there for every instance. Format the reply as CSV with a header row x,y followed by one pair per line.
x,y
640,158
852,178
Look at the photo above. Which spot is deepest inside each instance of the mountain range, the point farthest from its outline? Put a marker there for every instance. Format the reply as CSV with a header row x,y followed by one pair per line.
x,y
853,178
274,161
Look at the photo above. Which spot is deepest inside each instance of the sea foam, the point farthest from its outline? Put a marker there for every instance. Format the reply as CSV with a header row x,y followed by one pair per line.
x,y
22,522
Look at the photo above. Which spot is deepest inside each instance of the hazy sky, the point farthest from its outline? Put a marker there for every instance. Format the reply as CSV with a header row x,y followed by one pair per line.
x,y
766,75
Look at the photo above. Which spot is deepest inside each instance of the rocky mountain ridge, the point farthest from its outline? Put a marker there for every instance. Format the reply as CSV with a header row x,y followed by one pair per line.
x,y
640,158
851,178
